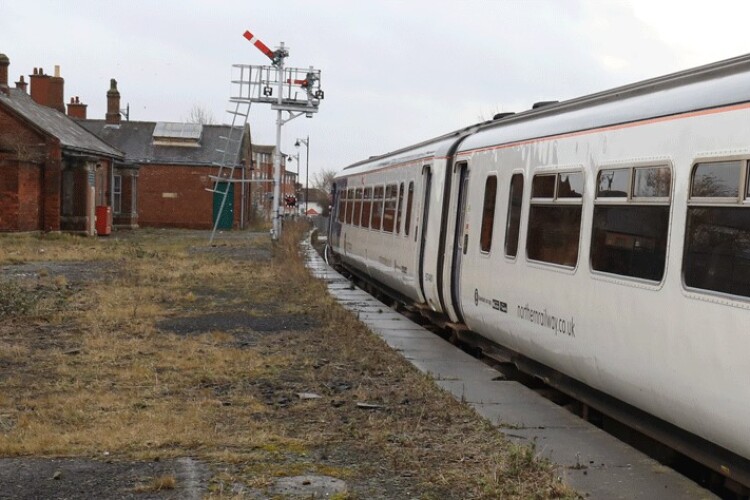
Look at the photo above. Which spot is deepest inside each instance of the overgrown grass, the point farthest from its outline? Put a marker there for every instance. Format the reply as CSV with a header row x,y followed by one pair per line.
x,y
99,377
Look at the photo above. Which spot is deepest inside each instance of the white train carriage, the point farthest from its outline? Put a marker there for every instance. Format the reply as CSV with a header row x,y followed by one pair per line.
x,y
606,237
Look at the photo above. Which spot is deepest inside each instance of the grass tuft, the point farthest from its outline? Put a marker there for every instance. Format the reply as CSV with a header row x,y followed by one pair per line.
x,y
160,483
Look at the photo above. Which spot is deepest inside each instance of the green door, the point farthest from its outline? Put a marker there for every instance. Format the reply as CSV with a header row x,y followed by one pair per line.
x,y
227,215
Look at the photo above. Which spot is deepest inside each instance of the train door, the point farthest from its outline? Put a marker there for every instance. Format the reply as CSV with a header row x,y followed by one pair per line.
x,y
334,218
461,238
427,177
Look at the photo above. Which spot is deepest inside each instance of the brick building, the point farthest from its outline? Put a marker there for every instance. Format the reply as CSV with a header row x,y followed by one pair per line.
x,y
53,172
263,190
176,162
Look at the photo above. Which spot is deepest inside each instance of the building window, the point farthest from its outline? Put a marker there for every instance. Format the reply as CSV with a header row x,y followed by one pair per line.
x,y
631,222
117,194
366,207
513,224
409,200
389,209
488,214
555,218
400,207
717,239
377,208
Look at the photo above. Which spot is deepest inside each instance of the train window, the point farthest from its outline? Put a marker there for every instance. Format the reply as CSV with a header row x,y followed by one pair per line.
x,y
613,183
717,239
377,208
555,221
366,207
389,209
341,206
716,180
488,214
357,206
350,203
652,182
543,186
570,185
409,201
513,224
400,207
629,234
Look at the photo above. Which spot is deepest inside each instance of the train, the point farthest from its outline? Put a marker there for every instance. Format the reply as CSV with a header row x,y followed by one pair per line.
x,y
605,238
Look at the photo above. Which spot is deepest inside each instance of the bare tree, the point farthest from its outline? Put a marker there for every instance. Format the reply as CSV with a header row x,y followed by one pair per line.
x,y
323,180
200,114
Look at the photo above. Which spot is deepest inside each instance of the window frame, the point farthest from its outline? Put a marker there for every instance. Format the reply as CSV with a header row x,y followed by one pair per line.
x,y
117,194
400,207
630,200
554,201
350,201
509,208
366,200
390,199
741,201
376,209
484,213
410,190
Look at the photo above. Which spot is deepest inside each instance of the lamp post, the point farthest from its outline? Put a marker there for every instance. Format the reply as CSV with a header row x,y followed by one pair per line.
x,y
296,181
306,142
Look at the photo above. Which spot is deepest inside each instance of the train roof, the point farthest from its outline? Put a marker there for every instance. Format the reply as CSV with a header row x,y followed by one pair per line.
x,y
713,85
421,150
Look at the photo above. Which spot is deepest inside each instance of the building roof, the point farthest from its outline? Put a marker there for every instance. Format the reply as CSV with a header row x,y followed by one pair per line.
x,y
70,134
137,140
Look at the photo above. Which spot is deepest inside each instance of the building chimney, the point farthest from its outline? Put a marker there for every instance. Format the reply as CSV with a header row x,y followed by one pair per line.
x,y
113,104
39,87
76,109
56,97
4,63
21,84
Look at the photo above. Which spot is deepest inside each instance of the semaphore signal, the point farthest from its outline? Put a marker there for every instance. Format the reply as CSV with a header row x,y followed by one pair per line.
x,y
297,92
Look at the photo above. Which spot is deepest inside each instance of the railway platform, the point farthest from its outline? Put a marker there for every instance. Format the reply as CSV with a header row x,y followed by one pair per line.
x,y
588,459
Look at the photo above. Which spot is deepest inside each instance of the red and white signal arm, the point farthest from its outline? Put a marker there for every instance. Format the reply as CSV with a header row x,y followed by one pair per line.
x,y
259,45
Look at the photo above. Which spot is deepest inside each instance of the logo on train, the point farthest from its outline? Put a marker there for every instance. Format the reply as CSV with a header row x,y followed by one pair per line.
x,y
494,303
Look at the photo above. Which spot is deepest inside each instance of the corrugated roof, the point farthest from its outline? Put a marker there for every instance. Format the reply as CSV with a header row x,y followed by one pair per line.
x,y
70,133
137,140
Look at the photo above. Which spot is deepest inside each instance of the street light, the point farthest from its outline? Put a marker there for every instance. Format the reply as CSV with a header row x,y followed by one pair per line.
x,y
296,181
297,144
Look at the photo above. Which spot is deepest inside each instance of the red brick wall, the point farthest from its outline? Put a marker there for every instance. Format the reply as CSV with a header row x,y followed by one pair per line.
x,y
51,187
8,195
176,196
22,162
29,196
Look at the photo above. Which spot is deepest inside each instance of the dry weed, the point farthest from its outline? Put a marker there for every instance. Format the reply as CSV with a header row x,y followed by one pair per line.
x,y
100,376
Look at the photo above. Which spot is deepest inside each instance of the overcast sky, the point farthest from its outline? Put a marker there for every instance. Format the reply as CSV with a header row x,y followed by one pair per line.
x,y
393,72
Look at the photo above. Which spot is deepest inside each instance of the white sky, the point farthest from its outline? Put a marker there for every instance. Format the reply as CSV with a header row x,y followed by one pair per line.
x,y
394,72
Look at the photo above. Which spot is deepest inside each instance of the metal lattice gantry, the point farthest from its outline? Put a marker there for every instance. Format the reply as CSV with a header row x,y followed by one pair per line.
x,y
294,91
300,88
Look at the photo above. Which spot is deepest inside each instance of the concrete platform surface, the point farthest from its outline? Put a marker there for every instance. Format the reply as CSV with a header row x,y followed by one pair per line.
x,y
588,459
